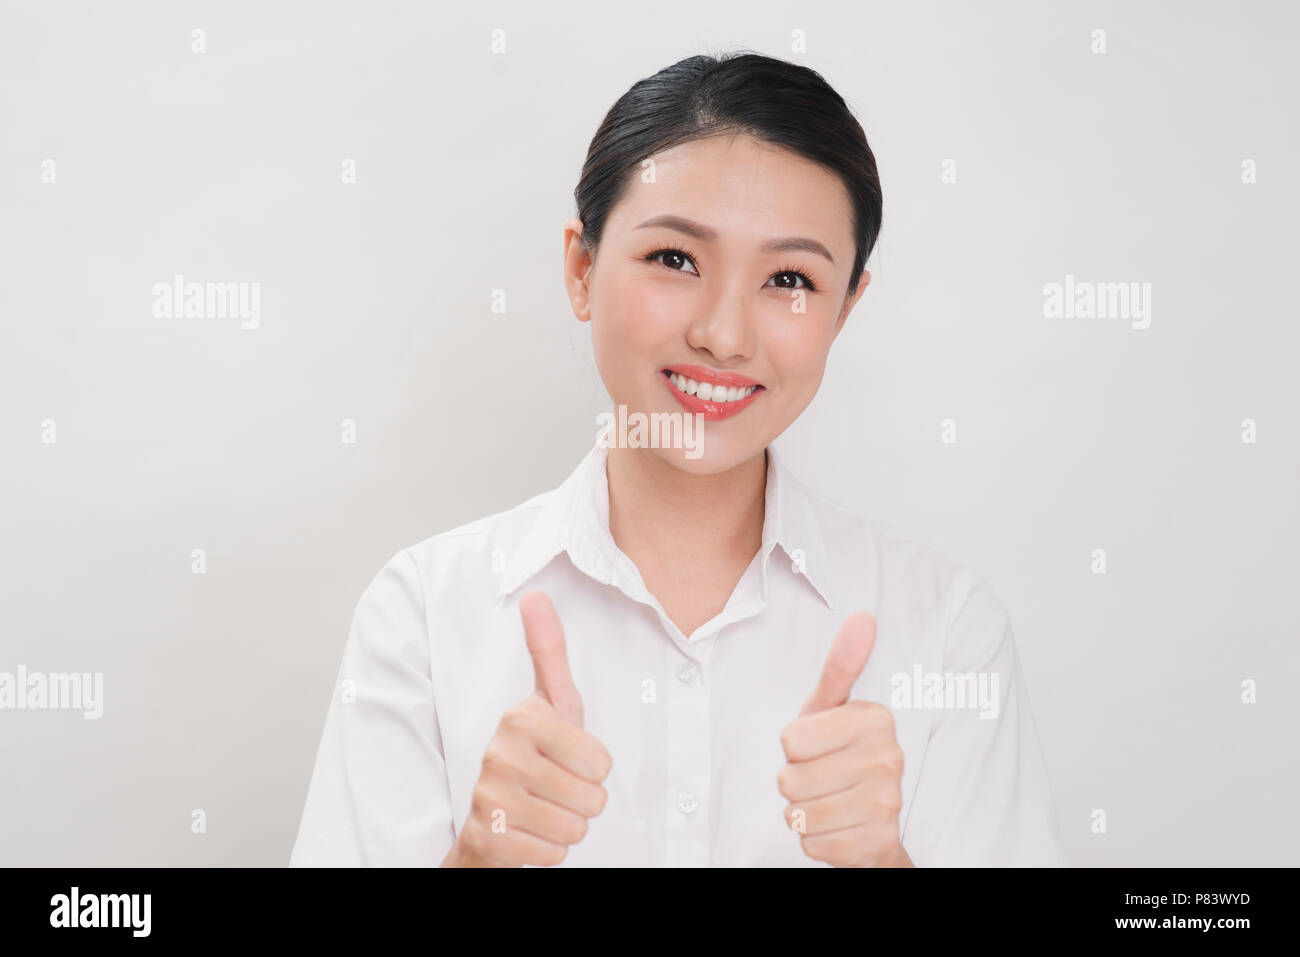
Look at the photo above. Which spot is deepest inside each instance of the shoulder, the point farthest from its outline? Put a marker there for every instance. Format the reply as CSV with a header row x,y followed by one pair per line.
x,y
906,567
454,572
477,550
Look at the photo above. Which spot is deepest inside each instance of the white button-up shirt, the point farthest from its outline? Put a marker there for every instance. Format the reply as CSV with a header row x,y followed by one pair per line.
x,y
436,655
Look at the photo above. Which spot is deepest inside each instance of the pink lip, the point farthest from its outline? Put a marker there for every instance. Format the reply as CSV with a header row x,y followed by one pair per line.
x,y
712,411
701,374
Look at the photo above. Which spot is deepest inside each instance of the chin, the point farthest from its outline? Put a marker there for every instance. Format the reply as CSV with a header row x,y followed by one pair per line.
x,y
712,455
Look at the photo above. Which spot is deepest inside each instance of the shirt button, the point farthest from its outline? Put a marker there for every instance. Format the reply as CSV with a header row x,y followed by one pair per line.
x,y
687,802
687,672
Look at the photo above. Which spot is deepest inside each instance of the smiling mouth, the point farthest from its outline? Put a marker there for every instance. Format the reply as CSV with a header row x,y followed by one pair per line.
x,y
709,392
712,399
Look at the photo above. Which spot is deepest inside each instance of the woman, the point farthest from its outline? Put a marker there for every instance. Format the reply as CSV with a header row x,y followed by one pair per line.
x,y
681,656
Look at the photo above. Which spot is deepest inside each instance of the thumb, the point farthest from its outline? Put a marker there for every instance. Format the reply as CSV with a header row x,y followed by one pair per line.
x,y
844,662
545,637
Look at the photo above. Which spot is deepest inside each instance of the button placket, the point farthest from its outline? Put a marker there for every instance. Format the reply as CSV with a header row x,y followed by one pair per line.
x,y
687,701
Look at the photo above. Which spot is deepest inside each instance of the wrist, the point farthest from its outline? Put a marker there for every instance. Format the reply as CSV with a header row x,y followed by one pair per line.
x,y
457,856
898,857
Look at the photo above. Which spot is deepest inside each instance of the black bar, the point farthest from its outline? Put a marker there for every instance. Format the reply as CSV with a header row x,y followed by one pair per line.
x,y
206,906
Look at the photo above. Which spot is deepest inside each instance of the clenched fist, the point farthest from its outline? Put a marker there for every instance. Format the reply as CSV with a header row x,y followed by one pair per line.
x,y
541,774
845,769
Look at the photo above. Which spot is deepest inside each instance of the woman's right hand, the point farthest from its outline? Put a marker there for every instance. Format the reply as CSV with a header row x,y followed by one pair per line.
x,y
541,774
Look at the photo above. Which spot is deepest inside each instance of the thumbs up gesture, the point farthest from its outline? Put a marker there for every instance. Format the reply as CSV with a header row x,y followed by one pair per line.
x,y
540,781
845,769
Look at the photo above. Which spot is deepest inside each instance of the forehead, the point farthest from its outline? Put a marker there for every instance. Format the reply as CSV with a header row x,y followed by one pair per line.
x,y
744,188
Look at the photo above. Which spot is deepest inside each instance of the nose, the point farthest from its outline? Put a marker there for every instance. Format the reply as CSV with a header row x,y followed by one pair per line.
x,y
725,326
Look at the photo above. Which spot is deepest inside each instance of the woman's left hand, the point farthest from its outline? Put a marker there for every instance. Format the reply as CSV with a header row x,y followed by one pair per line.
x,y
845,770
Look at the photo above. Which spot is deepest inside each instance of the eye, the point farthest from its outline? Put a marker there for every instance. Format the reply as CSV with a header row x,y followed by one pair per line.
x,y
789,274
673,258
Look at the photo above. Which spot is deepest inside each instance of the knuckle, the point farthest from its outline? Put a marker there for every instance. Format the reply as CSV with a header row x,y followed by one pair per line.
x,y
880,714
555,855
882,795
478,801
488,802
515,720
785,780
535,708
788,738
496,758
575,829
894,759
811,846
601,761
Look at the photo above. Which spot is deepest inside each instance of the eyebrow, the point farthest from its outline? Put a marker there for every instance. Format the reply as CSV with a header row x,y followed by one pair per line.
x,y
705,234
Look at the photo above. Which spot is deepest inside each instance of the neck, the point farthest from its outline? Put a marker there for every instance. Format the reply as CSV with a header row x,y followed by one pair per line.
x,y
653,504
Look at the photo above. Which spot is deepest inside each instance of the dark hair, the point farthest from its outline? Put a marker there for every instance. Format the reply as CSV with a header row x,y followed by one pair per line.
x,y
772,100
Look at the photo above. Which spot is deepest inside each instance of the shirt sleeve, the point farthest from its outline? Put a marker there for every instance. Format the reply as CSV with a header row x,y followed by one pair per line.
x,y
983,797
378,794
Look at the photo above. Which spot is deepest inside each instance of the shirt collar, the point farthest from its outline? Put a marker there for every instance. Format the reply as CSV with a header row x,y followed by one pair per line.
x,y
575,520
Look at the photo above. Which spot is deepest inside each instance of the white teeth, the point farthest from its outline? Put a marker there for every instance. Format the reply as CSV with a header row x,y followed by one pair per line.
x,y
709,392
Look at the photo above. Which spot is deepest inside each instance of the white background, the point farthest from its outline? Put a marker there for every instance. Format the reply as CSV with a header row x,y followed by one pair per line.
x,y
1072,435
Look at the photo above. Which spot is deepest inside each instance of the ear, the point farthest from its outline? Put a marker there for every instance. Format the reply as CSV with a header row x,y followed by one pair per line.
x,y
577,267
850,302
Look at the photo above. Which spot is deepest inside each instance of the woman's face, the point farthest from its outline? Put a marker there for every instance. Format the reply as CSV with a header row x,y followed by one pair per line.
x,y
726,261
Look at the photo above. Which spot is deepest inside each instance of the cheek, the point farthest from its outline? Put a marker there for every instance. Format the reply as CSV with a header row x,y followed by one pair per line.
x,y
798,354
633,322
646,310
633,318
